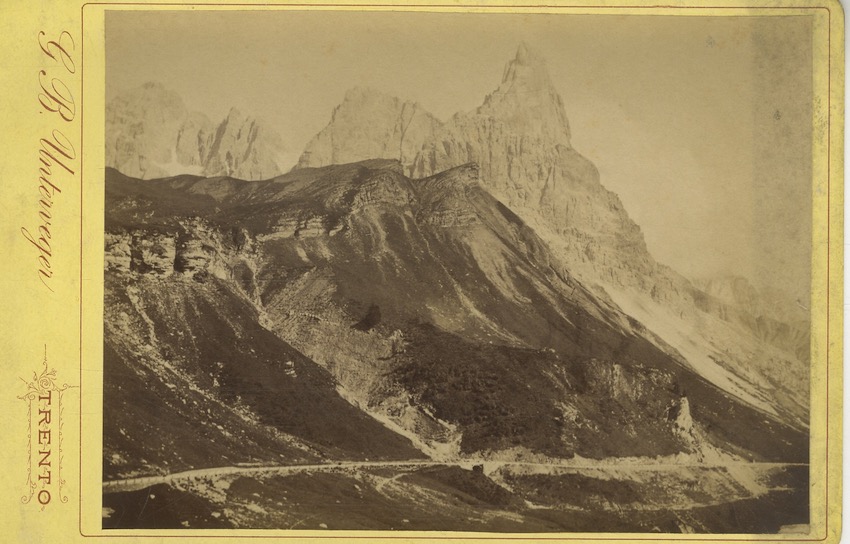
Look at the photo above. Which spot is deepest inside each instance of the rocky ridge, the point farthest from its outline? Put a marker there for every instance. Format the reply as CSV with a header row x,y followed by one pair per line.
x,y
386,282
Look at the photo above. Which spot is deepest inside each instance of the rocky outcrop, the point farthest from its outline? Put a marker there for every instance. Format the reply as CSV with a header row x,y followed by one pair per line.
x,y
194,251
118,252
387,188
444,197
298,227
607,379
150,133
683,421
153,254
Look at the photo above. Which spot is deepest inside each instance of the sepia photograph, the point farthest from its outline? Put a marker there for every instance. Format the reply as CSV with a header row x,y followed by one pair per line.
x,y
484,272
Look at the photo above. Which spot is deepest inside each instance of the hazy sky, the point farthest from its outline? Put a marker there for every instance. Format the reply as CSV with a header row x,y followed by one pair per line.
x,y
701,125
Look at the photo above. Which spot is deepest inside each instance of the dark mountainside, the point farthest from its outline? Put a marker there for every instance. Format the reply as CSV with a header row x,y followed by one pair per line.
x,y
473,322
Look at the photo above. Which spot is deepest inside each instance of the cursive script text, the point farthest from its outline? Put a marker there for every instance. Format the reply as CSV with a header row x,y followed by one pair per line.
x,y
56,153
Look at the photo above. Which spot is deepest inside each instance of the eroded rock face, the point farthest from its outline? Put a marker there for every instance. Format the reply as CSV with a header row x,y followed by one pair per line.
x,y
385,188
466,337
684,422
193,140
243,148
141,130
608,379
118,252
444,197
202,251
150,133
520,137
193,251
153,254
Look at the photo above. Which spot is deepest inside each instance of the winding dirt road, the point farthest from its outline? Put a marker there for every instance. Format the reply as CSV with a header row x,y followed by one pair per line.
x,y
133,484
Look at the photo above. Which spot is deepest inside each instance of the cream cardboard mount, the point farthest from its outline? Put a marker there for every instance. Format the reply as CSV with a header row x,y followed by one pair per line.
x,y
437,272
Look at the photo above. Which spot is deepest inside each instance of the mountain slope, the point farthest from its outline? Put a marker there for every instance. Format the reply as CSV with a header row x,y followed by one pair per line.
x,y
437,310
192,378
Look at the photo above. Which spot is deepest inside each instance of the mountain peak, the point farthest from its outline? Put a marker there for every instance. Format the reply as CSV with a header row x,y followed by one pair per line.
x,y
360,96
359,92
528,69
528,99
369,123
526,55
235,113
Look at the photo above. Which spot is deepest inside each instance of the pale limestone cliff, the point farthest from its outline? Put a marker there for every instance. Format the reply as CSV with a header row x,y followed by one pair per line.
x,y
370,124
244,149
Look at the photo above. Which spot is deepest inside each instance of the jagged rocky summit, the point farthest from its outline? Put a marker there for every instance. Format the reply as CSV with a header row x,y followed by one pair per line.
x,y
150,133
370,124
520,138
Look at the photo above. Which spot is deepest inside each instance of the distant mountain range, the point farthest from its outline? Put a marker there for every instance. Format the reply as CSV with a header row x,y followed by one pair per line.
x,y
150,133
